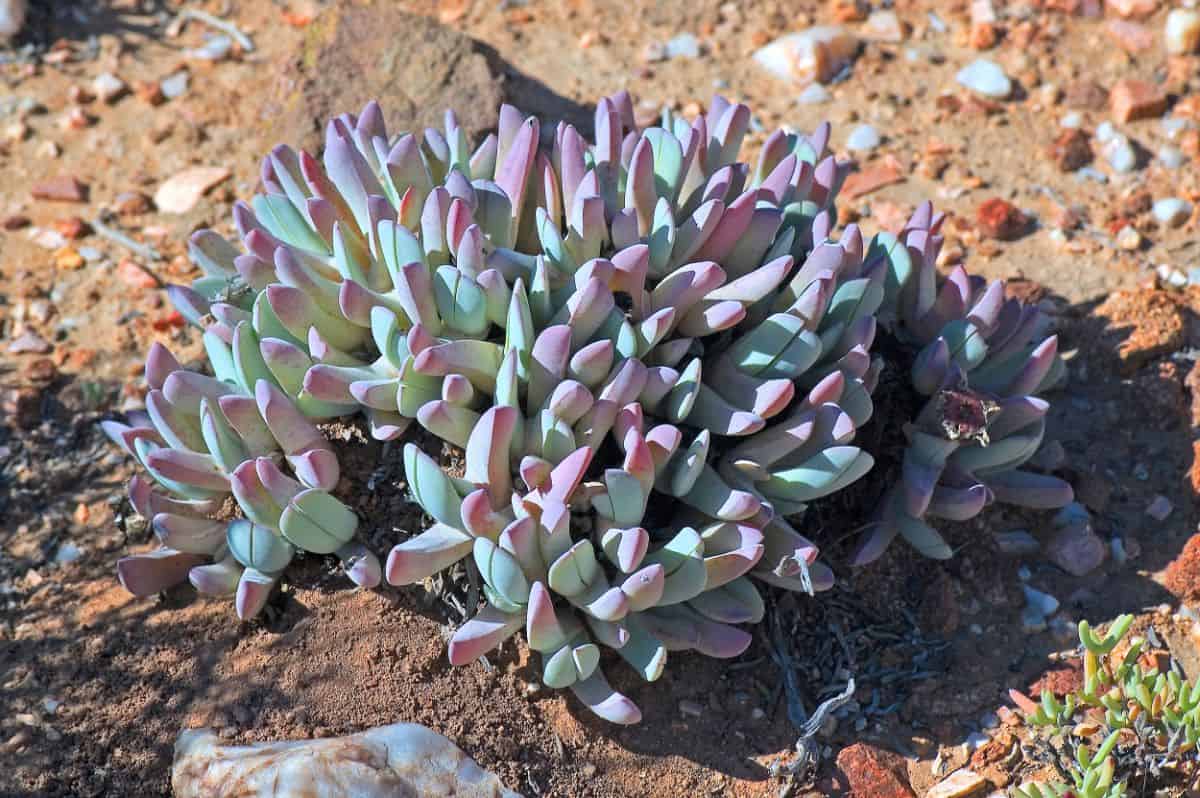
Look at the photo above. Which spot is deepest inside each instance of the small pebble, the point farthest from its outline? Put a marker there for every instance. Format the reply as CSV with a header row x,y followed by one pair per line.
x,y
67,553
815,94
60,189
986,78
1120,154
109,87
1172,126
690,707
1117,548
175,85
1129,239
1045,604
1176,279
215,49
29,343
883,26
1160,508
1105,131
685,45
1171,157
1024,574
1172,212
654,52
47,239
862,138
1072,120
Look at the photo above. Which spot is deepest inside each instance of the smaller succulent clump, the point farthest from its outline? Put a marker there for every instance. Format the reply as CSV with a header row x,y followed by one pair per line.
x,y
1147,716
240,434
980,361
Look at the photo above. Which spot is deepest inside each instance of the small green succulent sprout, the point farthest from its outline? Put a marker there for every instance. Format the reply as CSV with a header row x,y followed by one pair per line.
x,y
1150,716
1049,711
1091,773
1105,645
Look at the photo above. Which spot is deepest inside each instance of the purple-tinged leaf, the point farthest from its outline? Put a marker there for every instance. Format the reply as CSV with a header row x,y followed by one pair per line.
x,y
147,574
253,590
598,696
419,557
216,579
488,629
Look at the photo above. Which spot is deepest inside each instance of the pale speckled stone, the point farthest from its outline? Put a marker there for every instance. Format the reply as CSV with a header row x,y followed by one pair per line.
x,y
960,784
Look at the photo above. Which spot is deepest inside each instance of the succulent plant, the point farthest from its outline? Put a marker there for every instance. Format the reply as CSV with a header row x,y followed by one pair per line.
x,y
1092,776
203,439
980,358
1150,716
654,355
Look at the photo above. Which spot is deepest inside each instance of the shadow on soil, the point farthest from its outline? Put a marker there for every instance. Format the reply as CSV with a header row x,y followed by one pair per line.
x,y
49,21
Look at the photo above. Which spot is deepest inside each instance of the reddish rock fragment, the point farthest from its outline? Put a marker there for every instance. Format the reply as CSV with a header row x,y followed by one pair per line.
x,y
1192,383
15,222
173,320
149,91
60,189
1130,100
871,179
983,36
1071,150
135,276
1143,325
131,203
1064,678
873,773
1182,576
72,228
1194,471
1000,219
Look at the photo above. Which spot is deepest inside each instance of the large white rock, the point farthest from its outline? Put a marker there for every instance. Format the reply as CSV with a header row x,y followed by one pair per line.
x,y
404,759
816,54
12,17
